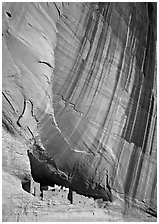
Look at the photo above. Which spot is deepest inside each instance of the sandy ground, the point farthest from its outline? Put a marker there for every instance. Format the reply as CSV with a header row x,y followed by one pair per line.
x,y
20,206
56,207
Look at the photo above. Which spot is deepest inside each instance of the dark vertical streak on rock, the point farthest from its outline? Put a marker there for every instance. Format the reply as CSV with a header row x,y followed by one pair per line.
x,y
149,124
130,171
67,89
94,69
103,116
137,176
154,185
153,137
89,76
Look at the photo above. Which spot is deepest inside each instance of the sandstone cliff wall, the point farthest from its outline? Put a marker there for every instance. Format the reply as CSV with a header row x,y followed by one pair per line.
x,y
80,79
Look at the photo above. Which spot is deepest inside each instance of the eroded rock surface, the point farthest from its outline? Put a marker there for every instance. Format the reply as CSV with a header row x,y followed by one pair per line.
x,y
79,84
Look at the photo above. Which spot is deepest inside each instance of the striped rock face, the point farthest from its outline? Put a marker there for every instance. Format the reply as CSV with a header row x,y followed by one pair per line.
x,y
79,83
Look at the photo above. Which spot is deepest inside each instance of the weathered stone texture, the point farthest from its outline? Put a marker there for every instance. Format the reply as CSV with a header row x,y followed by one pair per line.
x,y
81,78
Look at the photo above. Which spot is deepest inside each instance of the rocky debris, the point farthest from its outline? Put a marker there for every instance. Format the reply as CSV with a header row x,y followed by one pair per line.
x,y
56,207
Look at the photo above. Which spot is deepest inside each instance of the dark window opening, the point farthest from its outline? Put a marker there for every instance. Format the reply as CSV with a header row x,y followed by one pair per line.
x,y
26,185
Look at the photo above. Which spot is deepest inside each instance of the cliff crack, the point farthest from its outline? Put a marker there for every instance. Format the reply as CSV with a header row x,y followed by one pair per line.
x,y
9,14
8,101
30,24
32,111
67,103
57,9
46,63
24,107
48,81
